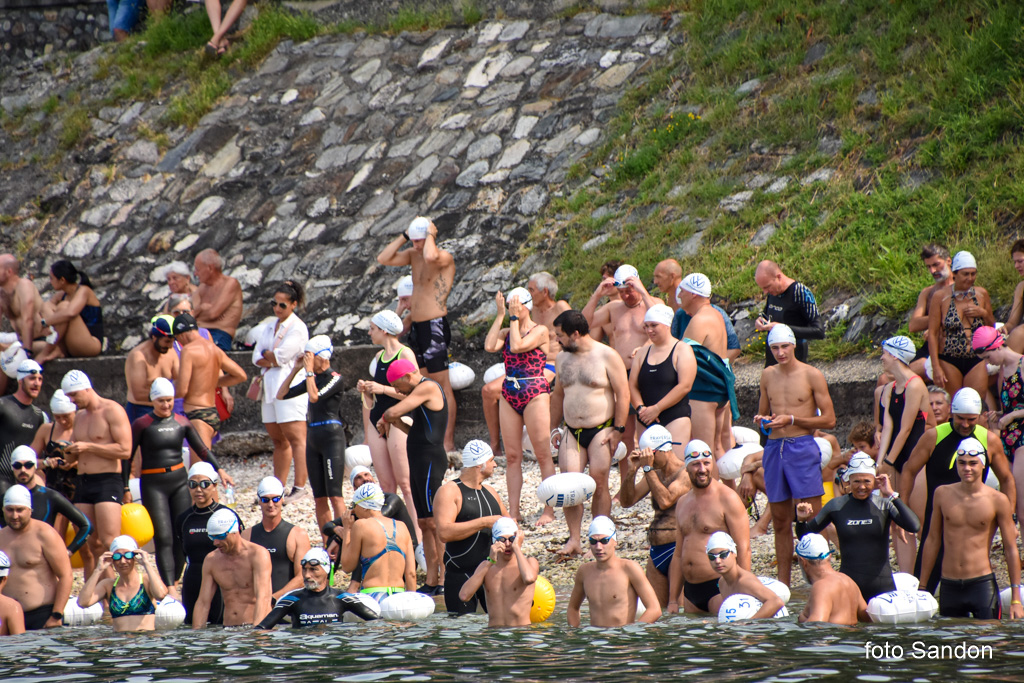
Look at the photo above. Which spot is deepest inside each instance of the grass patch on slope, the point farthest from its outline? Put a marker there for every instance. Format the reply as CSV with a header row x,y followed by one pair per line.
x,y
915,106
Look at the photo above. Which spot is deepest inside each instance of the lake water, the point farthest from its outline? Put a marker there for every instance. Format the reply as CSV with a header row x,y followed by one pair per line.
x,y
445,649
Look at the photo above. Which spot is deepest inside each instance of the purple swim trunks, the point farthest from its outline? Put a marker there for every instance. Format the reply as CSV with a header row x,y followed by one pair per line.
x,y
792,469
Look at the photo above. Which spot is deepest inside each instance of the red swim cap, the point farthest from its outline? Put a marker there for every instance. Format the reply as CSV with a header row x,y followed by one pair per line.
x,y
987,338
400,368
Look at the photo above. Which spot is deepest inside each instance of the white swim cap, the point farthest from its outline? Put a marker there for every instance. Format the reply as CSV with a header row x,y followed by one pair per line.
x,y
356,471
901,347
369,496
973,447
963,259
657,438
320,345
602,527
123,543
504,527
320,555
75,380
5,564
18,495
203,469
696,283
720,539
60,404
524,296
475,453
781,334
28,367
860,463
404,286
813,547
223,521
388,321
660,314
161,388
697,450
966,402
24,454
419,228
270,487
623,273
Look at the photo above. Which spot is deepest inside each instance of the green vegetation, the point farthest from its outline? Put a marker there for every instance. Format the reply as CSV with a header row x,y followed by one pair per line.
x,y
916,106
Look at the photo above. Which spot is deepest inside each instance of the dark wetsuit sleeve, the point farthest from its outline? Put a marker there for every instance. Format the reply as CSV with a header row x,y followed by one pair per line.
x,y
903,516
295,391
804,300
333,386
138,427
192,436
63,506
824,518
395,509
281,610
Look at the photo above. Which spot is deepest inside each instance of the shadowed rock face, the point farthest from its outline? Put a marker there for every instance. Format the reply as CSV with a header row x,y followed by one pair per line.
x,y
313,163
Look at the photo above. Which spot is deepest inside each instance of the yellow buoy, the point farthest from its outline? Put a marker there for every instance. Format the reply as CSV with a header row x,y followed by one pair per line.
x,y
76,559
135,522
829,492
543,600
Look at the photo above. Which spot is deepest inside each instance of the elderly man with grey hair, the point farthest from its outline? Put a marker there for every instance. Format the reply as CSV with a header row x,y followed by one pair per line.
x,y
217,302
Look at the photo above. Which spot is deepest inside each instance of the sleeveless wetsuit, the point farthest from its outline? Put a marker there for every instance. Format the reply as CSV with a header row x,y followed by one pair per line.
x,y
164,481
940,470
310,608
524,375
282,569
897,402
191,537
656,381
957,349
18,426
1011,396
863,530
377,592
427,457
380,376
461,558
325,438
138,605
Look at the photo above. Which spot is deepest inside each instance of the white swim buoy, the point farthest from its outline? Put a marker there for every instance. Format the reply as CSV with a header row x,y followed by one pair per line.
x,y
408,606
357,455
739,607
135,488
460,376
744,435
730,464
619,454
170,614
494,372
826,450
566,489
373,365
905,581
76,615
902,607
11,358
991,480
367,608
777,587
928,366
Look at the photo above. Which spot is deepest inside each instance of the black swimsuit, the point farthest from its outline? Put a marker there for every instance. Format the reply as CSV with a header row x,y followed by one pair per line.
x,y
427,458
655,382
897,403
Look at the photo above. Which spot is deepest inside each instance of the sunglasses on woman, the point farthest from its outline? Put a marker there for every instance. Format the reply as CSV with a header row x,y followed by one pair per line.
x,y
204,484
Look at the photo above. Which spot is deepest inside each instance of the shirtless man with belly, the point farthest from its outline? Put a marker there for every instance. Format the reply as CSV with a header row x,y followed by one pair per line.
x,y
592,394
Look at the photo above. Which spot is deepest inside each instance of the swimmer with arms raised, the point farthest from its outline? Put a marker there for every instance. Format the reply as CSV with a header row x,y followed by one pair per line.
x,y
611,584
507,575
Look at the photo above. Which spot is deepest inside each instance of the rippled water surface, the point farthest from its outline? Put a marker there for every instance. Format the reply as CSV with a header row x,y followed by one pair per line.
x,y
444,649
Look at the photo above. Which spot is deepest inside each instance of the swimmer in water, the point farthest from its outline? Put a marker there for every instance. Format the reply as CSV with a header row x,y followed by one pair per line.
x,y
507,576
734,579
131,597
239,568
834,598
12,617
611,584
382,548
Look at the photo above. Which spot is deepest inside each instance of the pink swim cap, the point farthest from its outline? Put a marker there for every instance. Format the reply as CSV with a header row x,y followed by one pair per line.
x,y
400,368
986,338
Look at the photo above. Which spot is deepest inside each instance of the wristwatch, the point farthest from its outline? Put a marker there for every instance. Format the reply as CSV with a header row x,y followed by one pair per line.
x,y
56,615
647,468
513,318
620,430
310,374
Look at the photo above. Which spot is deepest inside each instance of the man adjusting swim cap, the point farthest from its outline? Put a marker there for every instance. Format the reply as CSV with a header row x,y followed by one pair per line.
x,y
781,334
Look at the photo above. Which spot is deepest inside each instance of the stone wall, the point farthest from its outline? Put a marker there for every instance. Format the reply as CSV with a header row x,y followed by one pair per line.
x,y
27,33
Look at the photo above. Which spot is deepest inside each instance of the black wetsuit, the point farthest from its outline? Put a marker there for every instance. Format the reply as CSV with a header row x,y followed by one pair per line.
x,y
164,481
863,530
796,308
461,558
311,608
428,460
18,426
282,569
940,470
655,382
190,535
394,508
62,481
325,438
